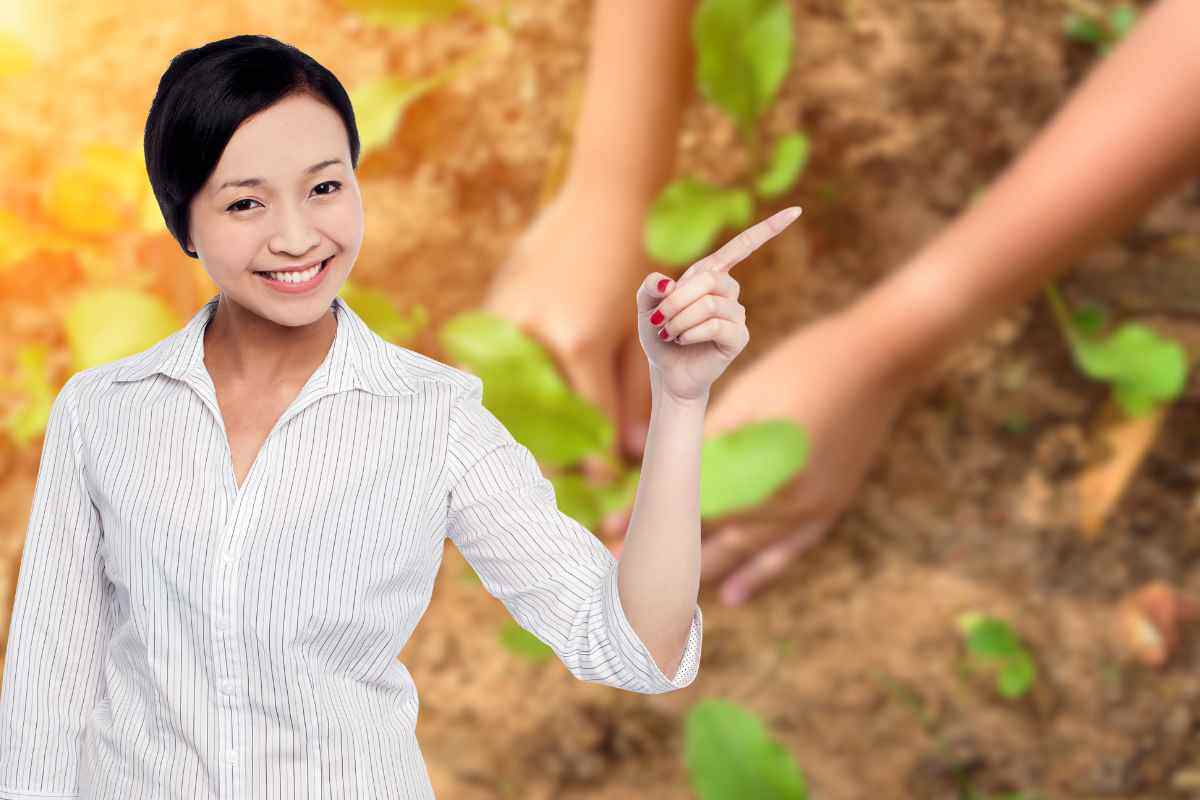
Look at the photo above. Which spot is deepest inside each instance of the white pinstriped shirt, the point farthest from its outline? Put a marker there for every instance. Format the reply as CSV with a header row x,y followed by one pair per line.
x,y
174,636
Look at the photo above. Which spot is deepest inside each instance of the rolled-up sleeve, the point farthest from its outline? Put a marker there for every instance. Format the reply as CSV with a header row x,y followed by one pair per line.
x,y
62,619
556,578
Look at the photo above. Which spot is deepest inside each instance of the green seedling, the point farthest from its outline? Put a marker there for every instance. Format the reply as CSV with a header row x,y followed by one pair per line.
x,y
992,643
743,52
1144,369
730,755
1103,29
380,104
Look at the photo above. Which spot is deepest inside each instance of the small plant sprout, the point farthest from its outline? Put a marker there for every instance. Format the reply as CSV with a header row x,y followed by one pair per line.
x,y
1144,369
1102,28
992,643
743,52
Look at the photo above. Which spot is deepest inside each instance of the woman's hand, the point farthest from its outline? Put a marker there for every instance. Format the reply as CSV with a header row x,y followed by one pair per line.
x,y
830,378
692,329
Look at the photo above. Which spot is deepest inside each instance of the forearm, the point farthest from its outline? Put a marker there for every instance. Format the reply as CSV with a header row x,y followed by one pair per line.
x,y
659,569
638,75
1128,134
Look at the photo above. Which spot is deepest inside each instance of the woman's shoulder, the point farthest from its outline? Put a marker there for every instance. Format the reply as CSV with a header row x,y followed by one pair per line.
x,y
428,373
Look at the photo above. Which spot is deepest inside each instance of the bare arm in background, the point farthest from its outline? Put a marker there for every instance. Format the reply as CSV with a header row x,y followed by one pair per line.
x,y
1128,134
572,276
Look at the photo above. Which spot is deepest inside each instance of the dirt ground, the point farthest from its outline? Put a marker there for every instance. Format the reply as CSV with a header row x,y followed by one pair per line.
x,y
910,107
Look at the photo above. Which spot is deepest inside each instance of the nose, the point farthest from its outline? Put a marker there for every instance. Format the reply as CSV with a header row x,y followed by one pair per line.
x,y
297,236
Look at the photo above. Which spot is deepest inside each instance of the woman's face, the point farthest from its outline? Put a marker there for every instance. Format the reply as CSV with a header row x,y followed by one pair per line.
x,y
282,215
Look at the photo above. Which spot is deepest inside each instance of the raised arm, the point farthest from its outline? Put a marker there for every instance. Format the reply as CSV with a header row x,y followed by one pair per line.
x,y
557,580
62,620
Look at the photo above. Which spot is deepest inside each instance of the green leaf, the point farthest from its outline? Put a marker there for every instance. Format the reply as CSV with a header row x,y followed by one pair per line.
x,y
402,13
787,162
522,387
1016,675
621,493
1122,19
1143,368
382,316
993,641
379,105
743,467
744,49
1089,319
990,637
517,640
578,499
1084,28
105,324
729,755
686,217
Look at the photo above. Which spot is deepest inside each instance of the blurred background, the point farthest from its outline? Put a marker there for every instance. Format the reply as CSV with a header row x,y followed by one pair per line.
x,y
1002,611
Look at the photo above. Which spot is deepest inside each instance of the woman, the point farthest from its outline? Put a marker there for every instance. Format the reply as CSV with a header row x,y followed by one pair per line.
x,y
235,531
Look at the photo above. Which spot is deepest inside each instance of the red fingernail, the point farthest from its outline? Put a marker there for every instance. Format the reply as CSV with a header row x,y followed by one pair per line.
x,y
662,334
663,284
656,317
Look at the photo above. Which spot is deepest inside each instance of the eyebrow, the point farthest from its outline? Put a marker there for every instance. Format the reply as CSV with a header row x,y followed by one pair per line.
x,y
320,165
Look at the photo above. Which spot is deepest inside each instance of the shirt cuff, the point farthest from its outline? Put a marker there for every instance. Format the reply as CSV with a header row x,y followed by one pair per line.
x,y
634,651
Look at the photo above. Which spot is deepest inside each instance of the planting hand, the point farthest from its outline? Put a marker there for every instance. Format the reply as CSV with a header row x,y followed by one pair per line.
x,y
692,329
565,284
825,379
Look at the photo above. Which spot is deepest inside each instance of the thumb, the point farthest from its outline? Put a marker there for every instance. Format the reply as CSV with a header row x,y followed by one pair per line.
x,y
634,393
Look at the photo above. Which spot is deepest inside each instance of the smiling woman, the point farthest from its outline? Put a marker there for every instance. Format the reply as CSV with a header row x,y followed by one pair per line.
x,y
235,531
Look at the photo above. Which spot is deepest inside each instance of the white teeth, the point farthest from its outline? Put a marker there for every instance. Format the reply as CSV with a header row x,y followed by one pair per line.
x,y
296,277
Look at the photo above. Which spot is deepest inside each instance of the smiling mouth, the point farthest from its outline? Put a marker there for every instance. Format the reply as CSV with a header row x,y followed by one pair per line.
x,y
323,263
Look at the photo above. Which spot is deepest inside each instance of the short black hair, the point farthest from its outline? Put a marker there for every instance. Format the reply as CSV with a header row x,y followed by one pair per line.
x,y
202,98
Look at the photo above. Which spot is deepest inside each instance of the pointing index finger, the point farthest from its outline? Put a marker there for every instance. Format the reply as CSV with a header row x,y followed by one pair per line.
x,y
745,243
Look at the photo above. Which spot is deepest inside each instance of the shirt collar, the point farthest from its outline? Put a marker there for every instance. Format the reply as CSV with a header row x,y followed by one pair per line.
x,y
358,359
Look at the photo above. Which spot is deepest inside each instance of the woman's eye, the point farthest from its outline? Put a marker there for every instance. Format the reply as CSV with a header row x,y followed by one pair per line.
x,y
336,184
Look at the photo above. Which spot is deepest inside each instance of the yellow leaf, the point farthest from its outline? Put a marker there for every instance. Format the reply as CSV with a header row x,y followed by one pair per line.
x,y
103,325
402,13
16,58
380,105
1101,485
96,195
17,240
29,419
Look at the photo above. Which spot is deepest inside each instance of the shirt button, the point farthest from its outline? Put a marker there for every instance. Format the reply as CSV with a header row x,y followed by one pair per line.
x,y
229,687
